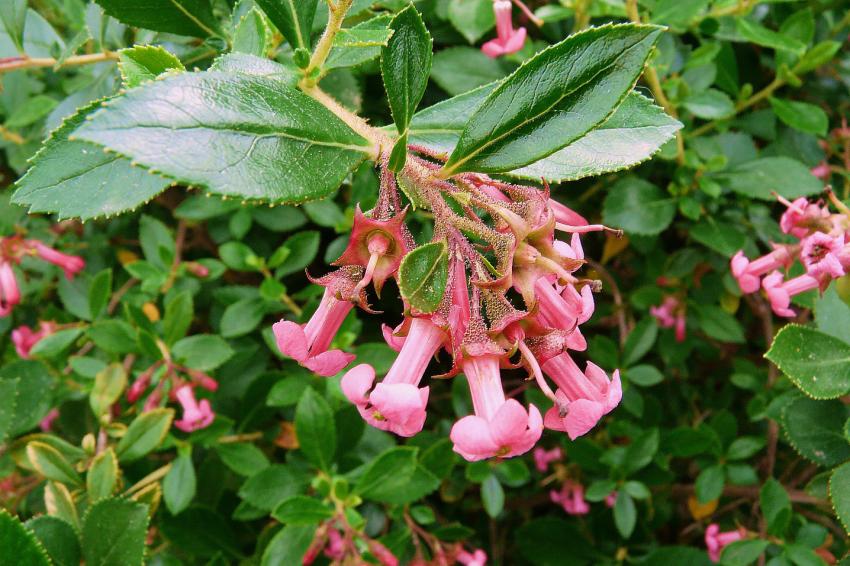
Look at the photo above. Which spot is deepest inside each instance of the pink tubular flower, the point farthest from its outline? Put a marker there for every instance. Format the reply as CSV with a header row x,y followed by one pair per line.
x,y
196,415
583,398
308,343
821,171
671,314
25,338
46,424
820,254
748,273
715,540
801,216
543,457
565,310
335,549
500,427
508,40
70,264
571,498
475,558
10,294
397,403
779,293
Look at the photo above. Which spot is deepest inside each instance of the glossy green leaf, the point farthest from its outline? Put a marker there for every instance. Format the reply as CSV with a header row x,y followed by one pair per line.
x,y
109,384
387,474
801,115
638,207
243,458
555,98
761,177
56,343
760,35
144,63
839,494
832,314
250,35
184,17
775,506
492,496
817,363
423,276
472,18
294,19
461,69
102,477
51,464
179,484
742,552
58,538
288,546
314,426
361,43
78,179
263,140
19,544
814,429
625,514
8,405
710,104
302,510
203,352
34,393
179,312
709,484
719,324
405,65
13,14
114,533
269,487
145,433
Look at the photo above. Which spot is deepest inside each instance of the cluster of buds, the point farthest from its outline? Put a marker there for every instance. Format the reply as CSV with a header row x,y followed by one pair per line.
x,y
503,242
178,383
12,250
821,248
570,496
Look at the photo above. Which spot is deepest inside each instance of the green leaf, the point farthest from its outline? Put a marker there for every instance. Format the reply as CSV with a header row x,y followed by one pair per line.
x,y
314,426
743,552
242,457
388,474
242,317
761,177
253,128
744,447
58,538
294,19
250,34
817,363
13,14
423,275
183,17
775,506
100,289
179,484
839,494
31,111
55,343
405,65
625,514
114,533
676,14
817,56
143,63
58,500
461,69
832,314
554,542
644,375
113,335
667,555
472,18
640,340
8,404
145,433
801,115
51,464
802,555
179,312
492,496
760,35
359,44
641,451
109,384
77,179
709,484
203,352
19,544
34,388
720,325
288,546
269,487
553,99
102,477
638,207
302,510
721,237
710,104
814,429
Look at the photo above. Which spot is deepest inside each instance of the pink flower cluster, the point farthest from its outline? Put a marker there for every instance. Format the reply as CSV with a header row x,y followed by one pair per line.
x,y
716,541
671,314
475,324
12,250
821,247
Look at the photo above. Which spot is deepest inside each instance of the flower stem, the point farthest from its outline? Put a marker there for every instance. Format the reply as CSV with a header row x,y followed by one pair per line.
x,y
8,64
323,48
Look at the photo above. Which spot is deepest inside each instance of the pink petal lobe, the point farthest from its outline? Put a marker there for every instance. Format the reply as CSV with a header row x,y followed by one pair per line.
x,y
356,383
291,340
329,363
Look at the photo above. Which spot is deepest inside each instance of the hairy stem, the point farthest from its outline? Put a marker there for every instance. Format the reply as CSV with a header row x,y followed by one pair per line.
x,y
323,48
8,64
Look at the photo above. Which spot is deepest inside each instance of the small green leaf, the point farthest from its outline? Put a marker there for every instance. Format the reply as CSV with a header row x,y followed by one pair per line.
x,y
114,533
640,340
638,207
179,484
13,14
472,18
51,464
361,43
55,343
761,177
760,35
314,426
405,65
183,17
143,63
302,510
775,506
59,539
492,496
710,104
203,352
294,19
423,276
242,457
801,115
814,429
269,487
743,552
20,546
109,384
553,99
179,312
744,447
720,325
100,289
250,34
388,474
145,433
31,111
102,477
289,545
709,484
625,514
817,363
839,494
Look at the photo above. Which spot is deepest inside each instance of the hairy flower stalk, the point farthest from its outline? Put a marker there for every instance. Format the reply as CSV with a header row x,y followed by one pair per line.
x,y
822,248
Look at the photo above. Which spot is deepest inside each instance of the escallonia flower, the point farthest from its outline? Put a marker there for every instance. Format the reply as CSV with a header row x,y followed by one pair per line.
x,y
671,314
780,292
475,557
749,273
543,457
196,414
822,254
716,540
508,40
571,498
